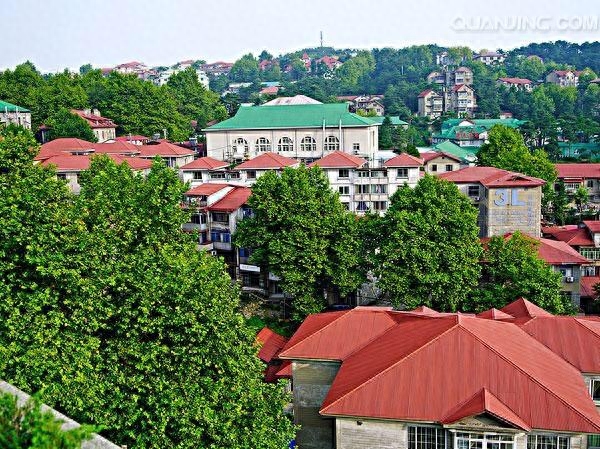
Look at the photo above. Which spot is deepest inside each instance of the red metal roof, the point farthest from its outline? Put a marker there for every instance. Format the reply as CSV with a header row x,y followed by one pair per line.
x,y
455,357
515,80
433,154
495,314
204,163
77,163
587,286
585,171
592,225
95,121
63,145
521,308
232,201
270,343
556,253
491,177
164,149
339,159
404,160
573,237
118,147
485,402
325,335
207,188
267,161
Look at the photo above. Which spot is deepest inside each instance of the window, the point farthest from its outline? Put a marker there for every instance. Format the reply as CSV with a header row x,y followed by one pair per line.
x,y
344,173
590,183
434,167
331,143
61,176
356,147
549,441
285,144
363,174
465,440
402,173
362,206
344,190
426,438
308,144
251,174
590,253
362,189
197,176
449,167
595,389
379,205
473,191
593,441
379,188
263,144
240,146
220,217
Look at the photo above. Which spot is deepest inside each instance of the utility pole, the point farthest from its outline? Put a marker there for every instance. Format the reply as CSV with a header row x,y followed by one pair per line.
x,y
321,39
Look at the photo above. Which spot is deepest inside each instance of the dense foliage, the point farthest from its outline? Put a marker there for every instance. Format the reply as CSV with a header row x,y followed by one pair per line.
x,y
108,308
301,233
513,269
27,426
426,248
64,123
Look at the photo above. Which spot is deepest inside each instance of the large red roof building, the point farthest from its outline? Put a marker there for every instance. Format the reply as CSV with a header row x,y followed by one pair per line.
x,y
373,377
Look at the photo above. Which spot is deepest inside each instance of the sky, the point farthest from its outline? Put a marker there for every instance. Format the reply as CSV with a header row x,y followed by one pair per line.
x,y
58,34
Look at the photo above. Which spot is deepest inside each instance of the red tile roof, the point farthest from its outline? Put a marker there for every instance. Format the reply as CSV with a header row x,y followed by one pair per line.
x,y
206,189
75,163
118,147
404,160
204,163
63,145
491,177
579,171
425,93
462,355
165,149
339,159
267,161
270,90
95,121
556,252
131,138
270,343
515,80
232,201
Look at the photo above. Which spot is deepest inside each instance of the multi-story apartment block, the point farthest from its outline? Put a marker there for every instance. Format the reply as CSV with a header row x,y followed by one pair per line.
x,y
305,132
461,100
580,175
373,377
430,104
11,114
507,201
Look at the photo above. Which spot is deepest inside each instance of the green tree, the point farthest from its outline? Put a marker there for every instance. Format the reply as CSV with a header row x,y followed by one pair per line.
x,y
560,204
245,69
85,68
355,70
511,269
428,250
581,198
27,426
506,149
301,233
194,101
102,292
385,134
66,124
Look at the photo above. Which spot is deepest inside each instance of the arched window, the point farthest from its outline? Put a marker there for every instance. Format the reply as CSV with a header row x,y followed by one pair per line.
x,y
332,143
240,146
285,144
263,144
308,144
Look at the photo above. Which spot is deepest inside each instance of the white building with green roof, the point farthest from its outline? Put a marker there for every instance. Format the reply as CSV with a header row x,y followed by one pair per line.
x,y
305,132
11,114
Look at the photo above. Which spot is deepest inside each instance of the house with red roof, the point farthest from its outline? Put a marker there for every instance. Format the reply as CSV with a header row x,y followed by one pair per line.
x,y
271,344
438,162
253,169
564,78
374,377
173,155
204,169
430,104
103,128
507,201
516,83
575,175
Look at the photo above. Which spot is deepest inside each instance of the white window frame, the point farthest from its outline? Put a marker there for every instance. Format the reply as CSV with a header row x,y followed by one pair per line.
x,y
285,144
331,143
262,145
308,144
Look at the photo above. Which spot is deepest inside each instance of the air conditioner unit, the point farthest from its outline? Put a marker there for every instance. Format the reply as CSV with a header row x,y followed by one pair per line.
x,y
476,198
569,279
213,252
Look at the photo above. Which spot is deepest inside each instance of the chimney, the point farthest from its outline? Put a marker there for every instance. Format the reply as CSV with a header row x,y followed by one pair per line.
x,y
96,112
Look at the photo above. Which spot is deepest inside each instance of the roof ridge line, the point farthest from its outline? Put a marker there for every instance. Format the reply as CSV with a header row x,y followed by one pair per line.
x,y
533,378
395,363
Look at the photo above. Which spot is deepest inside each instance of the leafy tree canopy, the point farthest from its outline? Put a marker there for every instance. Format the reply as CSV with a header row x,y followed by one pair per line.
x,y
66,124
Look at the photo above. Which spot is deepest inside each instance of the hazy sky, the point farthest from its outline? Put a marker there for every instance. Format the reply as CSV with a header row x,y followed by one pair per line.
x,y
55,34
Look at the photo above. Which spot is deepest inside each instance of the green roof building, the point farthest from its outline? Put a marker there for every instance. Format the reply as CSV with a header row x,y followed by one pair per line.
x,y
15,115
470,132
303,131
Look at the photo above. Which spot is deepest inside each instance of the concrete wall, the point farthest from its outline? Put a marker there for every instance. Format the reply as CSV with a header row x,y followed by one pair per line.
x,y
219,143
312,381
370,434
513,209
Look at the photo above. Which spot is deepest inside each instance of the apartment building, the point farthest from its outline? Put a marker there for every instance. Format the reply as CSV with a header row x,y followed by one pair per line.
x,y
580,175
11,114
430,104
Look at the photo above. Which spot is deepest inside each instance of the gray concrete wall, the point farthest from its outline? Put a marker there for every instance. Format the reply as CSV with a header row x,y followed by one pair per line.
x,y
312,381
370,434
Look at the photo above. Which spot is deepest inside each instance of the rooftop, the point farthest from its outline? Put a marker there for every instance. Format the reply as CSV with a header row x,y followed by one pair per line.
x,y
232,201
339,159
204,163
266,161
491,177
